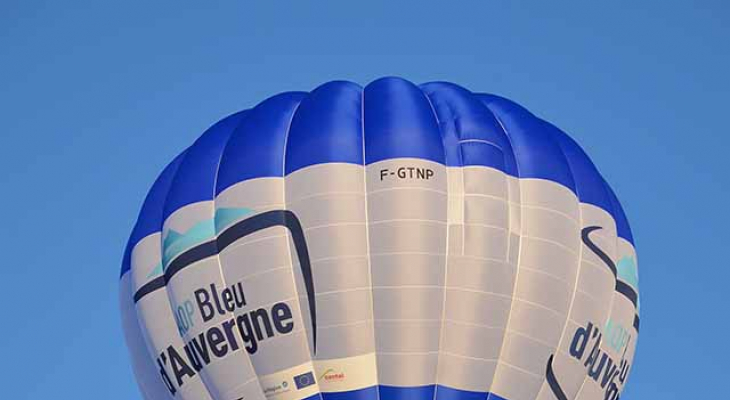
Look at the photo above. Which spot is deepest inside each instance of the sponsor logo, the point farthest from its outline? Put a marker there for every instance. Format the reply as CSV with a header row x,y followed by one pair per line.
x,y
242,327
304,380
332,375
603,369
609,372
273,390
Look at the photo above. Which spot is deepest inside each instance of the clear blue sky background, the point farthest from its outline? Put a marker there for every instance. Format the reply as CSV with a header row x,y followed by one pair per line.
x,y
96,97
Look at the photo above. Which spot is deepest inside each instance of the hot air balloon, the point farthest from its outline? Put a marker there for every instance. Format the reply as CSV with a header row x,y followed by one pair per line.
x,y
393,242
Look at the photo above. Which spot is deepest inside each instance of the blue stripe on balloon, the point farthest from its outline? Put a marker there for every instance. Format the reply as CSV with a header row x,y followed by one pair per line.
x,y
317,396
622,223
537,153
327,127
399,123
368,393
426,392
483,154
591,188
406,393
448,393
539,147
463,120
439,122
194,180
256,149
589,184
150,219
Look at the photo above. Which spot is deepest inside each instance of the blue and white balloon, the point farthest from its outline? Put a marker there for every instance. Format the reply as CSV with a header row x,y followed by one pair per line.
x,y
391,242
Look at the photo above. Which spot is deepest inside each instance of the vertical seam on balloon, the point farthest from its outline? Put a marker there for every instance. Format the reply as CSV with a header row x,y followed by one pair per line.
x,y
215,180
168,295
460,154
614,202
463,212
367,243
578,270
506,135
613,292
287,131
204,374
137,325
217,255
446,256
490,394
148,345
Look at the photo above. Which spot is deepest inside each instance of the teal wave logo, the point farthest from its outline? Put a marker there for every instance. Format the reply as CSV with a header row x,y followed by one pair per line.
x,y
157,271
627,271
174,242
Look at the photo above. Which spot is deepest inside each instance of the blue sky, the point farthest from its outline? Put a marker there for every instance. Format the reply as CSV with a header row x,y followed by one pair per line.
x,y
95,97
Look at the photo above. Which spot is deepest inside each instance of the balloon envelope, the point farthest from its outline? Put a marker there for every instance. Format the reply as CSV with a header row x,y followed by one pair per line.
x,y
393,242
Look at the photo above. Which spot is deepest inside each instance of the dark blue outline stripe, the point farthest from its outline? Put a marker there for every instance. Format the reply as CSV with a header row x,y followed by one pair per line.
x,y
620,286
628,292
586,238
241,229
552,381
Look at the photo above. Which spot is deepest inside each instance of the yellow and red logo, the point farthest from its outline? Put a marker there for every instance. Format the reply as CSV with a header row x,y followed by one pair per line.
x,y
332,375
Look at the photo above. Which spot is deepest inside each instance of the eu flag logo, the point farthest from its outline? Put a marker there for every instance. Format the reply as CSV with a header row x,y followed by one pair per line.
x,y
304,380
